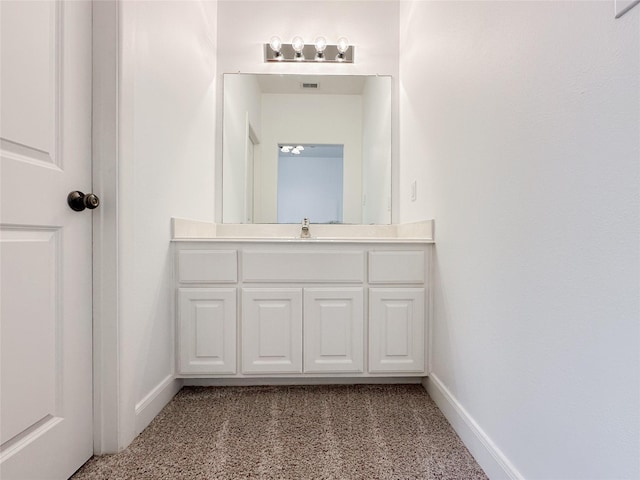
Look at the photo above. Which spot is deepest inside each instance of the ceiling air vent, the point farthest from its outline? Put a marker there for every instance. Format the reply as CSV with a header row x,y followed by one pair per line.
x,y
314,86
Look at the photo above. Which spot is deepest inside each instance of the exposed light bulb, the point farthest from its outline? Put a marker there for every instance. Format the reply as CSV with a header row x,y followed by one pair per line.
x,y
285,149
295,151
300,148
321,44
298,44
275,43
342,45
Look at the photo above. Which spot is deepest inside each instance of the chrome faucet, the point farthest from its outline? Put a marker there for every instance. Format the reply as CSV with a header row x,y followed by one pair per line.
x,y
305,228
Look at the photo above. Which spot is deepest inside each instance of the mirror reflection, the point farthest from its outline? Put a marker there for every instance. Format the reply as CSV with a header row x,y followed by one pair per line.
x,y
321,199
315,146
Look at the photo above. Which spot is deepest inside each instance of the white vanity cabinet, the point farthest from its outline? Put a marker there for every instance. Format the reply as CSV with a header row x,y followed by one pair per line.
x,y
334,330
271,330
306,328
207,314
256,309
397,314
396,329
302,330
207,330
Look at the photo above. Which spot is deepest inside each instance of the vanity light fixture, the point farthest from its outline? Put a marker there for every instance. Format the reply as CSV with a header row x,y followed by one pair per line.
x,y
319,51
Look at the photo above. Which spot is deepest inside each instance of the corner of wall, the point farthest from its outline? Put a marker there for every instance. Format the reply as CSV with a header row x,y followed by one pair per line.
x,y
494,463
153,403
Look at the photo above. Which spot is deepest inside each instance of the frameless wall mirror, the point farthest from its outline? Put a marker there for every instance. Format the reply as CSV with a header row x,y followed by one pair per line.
x,y
316,146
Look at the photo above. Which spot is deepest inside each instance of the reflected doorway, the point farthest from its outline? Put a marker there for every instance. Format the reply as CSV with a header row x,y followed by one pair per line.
x,y
310,183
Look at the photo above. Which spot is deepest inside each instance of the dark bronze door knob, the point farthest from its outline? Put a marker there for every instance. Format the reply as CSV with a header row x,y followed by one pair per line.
x,y
78,201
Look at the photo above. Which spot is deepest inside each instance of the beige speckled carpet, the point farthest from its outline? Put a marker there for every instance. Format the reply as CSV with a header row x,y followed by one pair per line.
x,y
302,432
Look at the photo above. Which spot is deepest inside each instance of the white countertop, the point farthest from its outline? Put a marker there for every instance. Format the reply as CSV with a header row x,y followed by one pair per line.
x,y
197,231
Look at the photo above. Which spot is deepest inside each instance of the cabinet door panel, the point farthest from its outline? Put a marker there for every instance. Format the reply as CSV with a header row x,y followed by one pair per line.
x,y
333,330
207,328
396,329
272,330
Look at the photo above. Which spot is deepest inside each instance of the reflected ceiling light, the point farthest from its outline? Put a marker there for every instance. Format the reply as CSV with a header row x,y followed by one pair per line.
x,y
319,51
291,149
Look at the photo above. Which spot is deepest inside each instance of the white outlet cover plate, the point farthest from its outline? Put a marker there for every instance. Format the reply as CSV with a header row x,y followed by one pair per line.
x,y
623,6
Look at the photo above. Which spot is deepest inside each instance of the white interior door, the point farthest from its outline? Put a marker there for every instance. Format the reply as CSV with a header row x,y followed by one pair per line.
x,y
45,247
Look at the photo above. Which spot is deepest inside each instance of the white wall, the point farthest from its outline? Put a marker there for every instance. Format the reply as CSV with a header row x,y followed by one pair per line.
x,y
321,119
167,87
244,26
376,146
242,102
520,121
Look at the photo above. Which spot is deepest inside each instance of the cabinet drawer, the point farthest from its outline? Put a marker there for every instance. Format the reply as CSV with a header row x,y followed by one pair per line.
x,y
207,266
397,267
307,266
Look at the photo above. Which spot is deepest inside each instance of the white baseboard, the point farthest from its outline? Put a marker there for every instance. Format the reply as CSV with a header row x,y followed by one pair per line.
x,y
487,454
155,400
247,382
